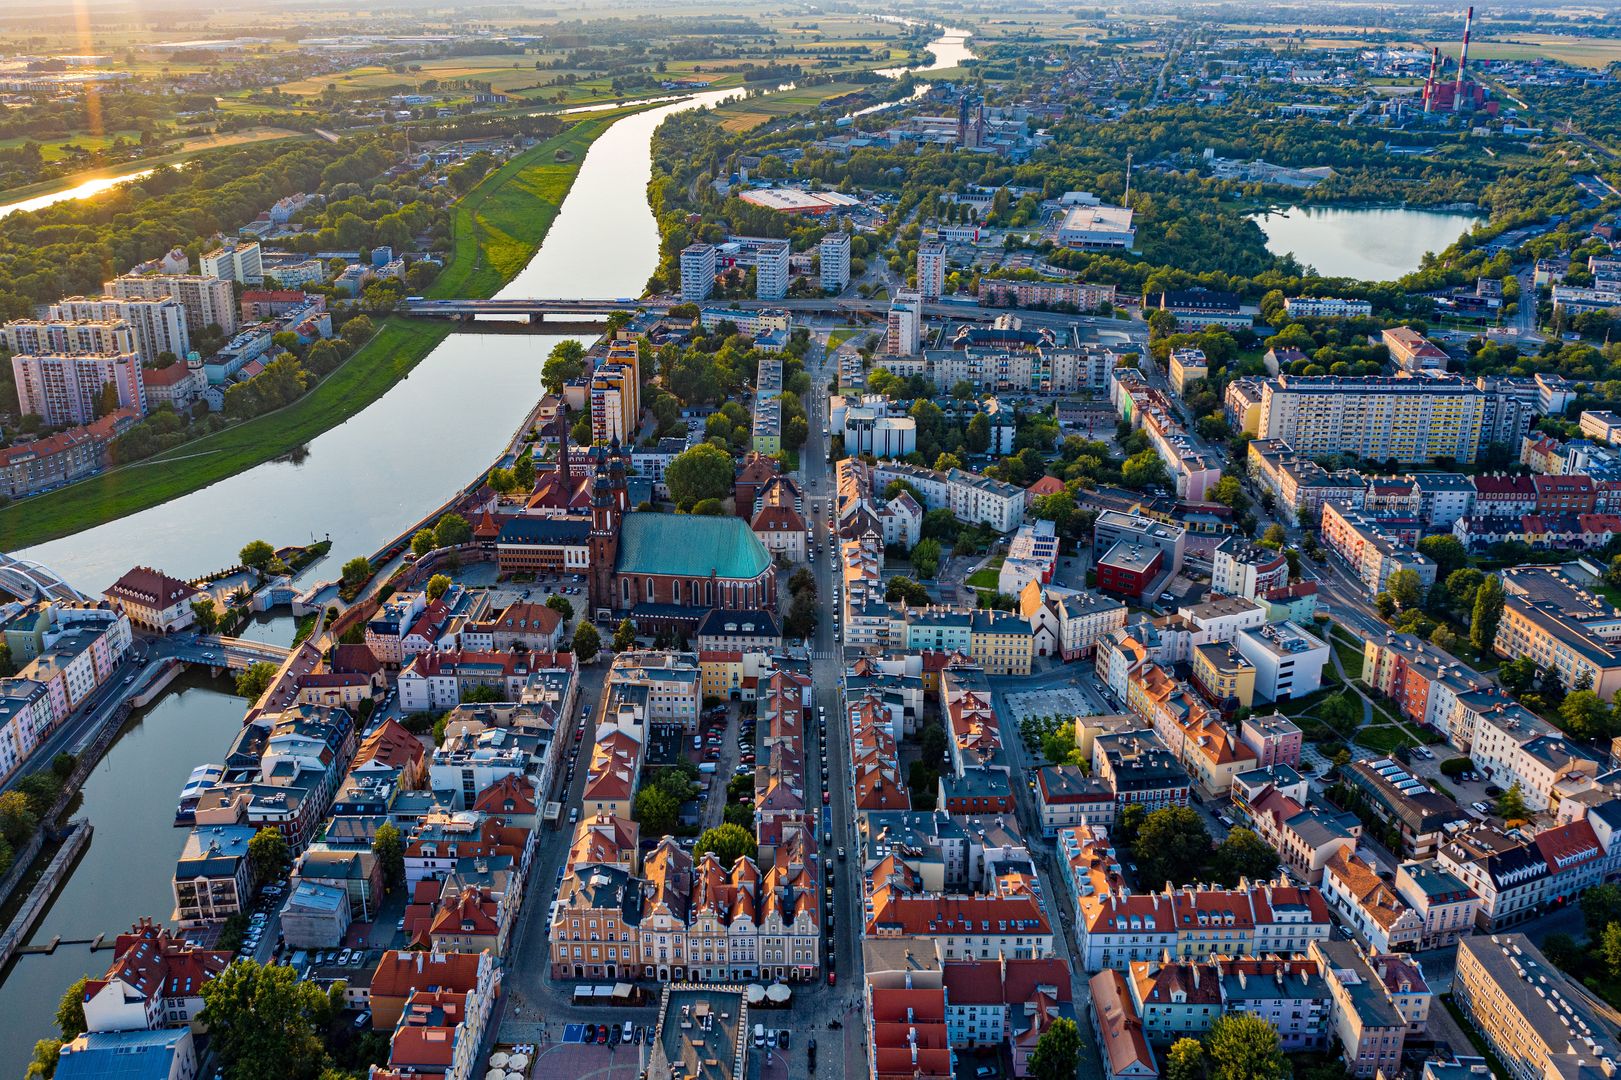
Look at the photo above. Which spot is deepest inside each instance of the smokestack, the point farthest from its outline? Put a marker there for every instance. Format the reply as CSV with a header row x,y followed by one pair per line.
x,y
1463,60
1429,83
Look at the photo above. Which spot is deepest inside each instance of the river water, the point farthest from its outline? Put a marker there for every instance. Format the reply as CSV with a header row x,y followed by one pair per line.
x,y
79,191
125,872
361,484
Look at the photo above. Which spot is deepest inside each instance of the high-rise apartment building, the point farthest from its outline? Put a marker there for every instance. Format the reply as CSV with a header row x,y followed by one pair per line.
x,y
207,301
234,262
616,394
931,270
1409,419
905,329
67,390
78,338
159,325
697,272
835,252
771,269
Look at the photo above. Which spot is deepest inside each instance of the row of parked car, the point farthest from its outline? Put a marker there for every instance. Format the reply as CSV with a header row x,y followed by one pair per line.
x,y
614,1034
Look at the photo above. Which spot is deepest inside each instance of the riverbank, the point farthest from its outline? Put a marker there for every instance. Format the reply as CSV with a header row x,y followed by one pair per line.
x,y
498,227
188,150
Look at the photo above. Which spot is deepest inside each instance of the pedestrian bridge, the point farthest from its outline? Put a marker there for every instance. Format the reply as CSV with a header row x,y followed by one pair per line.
x,y
35,581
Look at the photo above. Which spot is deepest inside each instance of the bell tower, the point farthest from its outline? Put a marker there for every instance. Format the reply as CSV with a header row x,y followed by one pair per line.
x,y
607,512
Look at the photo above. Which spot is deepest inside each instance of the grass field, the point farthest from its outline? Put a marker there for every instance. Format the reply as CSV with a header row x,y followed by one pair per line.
x,y
751,112
510,211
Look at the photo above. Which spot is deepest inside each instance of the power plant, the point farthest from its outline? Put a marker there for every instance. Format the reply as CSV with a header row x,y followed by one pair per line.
x,y
1461,94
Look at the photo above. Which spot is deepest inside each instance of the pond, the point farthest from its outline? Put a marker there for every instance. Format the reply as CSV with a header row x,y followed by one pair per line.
x,y
1368,243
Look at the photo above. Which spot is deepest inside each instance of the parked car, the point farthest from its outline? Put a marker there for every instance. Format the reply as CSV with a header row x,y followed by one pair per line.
x,y
782,1038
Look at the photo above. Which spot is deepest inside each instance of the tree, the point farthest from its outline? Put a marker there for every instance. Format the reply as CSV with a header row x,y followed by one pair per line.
x,y
437,586
1601,906
901,587
655,810
356,331
257,554
269,854
70,1011
1511,804
702,472
523,472
356,570
451,530
1130,823
389,847
1242,854
1611,948
1274,537
17,822
1517,675
43,1064
1173,845
1058,1052
587,643
624,636
728,842
565,364
1488,610
1446,552
1243,1046
253,682
1185,1060
926,558
1585,715
263,1020
423,542
933,742
562,606
206,614
977,436
1406,589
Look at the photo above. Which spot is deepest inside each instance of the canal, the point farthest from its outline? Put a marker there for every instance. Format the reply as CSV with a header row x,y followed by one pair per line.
x,y
125,872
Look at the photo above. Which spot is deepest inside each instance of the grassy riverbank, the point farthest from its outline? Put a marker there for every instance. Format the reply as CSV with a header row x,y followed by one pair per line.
x,y
498,227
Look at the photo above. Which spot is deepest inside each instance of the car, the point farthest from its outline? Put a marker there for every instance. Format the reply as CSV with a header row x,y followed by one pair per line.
x,y
985,1071
841,854
826,799
1167,596
1479,808
649,1035
1493,790
782,1038
358,958
615,1035
602,1033
759,1034
832,979
400,925
343,957
590,1033
574,811
363,1019
636,1035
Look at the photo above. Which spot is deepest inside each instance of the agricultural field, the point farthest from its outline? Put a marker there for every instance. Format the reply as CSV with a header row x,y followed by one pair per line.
x,y
1575,51
752,112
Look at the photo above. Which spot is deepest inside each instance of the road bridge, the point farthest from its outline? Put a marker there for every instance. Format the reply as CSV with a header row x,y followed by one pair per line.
x,y
235,654
536,309
30,580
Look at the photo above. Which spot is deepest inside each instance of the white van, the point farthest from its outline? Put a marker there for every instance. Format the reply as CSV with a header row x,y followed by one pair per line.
x,y
759,1034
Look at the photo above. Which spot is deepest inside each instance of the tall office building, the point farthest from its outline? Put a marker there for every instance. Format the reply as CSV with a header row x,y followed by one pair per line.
x,y
616,403
234,262
66,390
931,270
697,272
771,269
835,252
206,300
905,329
159,325
82,337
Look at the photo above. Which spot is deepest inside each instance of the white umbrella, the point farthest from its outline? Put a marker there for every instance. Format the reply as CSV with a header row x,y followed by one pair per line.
x,y
519,1062
778,993
755,993
498,1060
496,1074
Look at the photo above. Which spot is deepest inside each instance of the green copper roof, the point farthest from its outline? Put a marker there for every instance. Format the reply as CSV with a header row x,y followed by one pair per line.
x,y
690,546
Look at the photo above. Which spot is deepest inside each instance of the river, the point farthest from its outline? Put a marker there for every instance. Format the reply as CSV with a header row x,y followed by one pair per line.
x,y
125,872
80,191
1379,243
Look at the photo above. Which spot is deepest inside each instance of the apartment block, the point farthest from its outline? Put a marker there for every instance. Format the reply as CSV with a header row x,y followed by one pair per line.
x,y
1551,617
835,256
771,269
1326,307
66,390
903,331
207,301
931,270
1413,420
698,263
1372,553
236,262
159,325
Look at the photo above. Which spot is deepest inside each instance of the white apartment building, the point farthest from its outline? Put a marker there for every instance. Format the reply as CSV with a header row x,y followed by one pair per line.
x,y
234,262
1240,568
1512,745
159,325
697,272
1326,307
83,337
1288,661
207,301
931,270
835,253
1413,420
66,390
771,269
904,331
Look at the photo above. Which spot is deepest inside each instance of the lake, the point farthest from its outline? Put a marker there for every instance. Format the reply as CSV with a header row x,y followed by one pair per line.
x,y
1368,243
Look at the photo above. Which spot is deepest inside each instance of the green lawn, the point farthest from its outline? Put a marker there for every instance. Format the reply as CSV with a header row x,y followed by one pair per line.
x,y
509,212
987,576
1385,738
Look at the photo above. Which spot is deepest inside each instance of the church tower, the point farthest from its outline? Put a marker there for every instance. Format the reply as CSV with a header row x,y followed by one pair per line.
x,y
607,511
